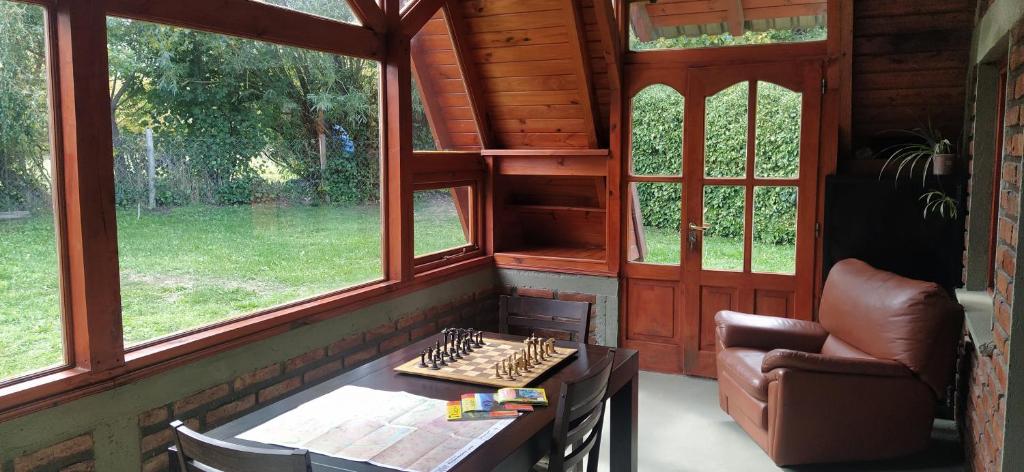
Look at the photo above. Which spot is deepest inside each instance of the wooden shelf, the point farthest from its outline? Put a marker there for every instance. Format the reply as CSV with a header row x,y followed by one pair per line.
x,y
557,208
576,260
545,152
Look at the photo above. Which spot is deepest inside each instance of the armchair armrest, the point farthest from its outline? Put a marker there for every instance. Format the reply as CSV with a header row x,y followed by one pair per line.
x,y
787,359
768,332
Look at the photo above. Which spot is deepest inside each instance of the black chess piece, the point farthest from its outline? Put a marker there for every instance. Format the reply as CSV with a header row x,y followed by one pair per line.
x,y
456,353
433,362
440,358
423,357
480,338
466,347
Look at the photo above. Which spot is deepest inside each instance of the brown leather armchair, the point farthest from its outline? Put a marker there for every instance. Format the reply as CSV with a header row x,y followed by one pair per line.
x,y
860,385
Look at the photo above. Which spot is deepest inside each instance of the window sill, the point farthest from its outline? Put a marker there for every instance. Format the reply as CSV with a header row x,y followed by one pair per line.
x,y
35,394
978,315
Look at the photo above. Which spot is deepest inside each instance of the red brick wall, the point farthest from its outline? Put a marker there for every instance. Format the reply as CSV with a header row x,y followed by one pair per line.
x,y
72,455
984,411
218,404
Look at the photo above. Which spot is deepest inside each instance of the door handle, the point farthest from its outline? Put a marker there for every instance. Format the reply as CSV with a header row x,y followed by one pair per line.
x,y
691,238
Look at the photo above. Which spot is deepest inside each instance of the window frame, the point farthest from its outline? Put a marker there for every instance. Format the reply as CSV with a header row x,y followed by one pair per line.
x,y
96,358
437,170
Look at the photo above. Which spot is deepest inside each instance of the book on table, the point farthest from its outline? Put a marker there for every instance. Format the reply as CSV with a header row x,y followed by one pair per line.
x,y
483,406
527,396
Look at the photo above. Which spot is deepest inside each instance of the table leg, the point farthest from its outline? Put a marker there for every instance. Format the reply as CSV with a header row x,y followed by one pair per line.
x,y
624,427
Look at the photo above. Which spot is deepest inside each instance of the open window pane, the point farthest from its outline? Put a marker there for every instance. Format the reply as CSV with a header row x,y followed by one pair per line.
x,y
777,146
442,219
265,188
774,248
657,124
723,240
685,24
725,132
31,336
333,9
656,210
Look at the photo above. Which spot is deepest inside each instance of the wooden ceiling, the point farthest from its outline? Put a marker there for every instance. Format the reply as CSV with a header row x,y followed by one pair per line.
x,y
533,72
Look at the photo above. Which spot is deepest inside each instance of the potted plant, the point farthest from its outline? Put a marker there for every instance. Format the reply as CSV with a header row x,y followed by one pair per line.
x,y
929,149
938,203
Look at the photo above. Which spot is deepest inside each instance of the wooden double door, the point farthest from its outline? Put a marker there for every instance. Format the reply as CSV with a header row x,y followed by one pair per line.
x,y
731,224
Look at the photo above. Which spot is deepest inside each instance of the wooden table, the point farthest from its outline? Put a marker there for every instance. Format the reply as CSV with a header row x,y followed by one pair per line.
x,y
516,448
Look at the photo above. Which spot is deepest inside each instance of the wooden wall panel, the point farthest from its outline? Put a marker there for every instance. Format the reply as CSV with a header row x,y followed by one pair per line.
x,y
909,65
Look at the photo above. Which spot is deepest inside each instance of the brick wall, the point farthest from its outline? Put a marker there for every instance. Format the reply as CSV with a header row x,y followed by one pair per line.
x,y
986,366
72,455
218,404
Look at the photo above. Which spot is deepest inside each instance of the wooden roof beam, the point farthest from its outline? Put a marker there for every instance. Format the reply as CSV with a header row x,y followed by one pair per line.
x,y
370,14
641,20
578,44
610,41
259,21
418,14
734,17
459,32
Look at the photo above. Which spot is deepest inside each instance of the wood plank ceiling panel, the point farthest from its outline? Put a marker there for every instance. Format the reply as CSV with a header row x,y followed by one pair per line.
x,y
528,67
443,88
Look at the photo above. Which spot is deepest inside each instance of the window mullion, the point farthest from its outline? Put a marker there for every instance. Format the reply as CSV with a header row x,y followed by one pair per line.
x,y
90,230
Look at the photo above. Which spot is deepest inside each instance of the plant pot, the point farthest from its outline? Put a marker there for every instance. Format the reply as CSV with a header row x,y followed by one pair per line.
x,y
942,164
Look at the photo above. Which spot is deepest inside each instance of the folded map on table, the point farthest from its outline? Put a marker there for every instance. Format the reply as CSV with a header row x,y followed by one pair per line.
x,y
390,429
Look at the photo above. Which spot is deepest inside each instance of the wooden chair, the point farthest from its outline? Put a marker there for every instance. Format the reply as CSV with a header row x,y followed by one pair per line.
x,y
578,420
524,315
196,452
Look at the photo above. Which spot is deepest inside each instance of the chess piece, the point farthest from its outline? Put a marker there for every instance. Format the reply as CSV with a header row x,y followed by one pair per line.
x,y
480,339
440,359
552,346
497,371
433,363
423,357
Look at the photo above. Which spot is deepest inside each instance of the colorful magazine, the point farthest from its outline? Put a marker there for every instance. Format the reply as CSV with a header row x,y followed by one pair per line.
x,y
527,396
482,406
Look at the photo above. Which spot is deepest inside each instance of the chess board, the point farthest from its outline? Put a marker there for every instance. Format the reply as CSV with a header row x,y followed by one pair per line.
x,y
478,366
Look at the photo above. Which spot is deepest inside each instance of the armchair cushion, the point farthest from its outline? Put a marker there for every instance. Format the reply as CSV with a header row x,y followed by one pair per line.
x,y
785,358
744,367
768,332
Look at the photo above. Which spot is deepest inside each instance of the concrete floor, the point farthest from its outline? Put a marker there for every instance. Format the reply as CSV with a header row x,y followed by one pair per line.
x,y
682,429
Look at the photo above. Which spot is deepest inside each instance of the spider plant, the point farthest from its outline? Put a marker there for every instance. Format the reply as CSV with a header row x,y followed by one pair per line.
x,y
937,202
908,156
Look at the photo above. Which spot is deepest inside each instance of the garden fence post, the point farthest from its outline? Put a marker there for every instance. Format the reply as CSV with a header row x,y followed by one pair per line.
x,y
322,140
151,168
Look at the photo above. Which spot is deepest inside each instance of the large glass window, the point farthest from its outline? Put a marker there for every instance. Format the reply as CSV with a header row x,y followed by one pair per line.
x,y
682,24
247,175
30,308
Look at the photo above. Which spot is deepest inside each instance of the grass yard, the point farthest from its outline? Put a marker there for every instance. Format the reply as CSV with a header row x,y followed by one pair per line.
x,y
721,253
189,266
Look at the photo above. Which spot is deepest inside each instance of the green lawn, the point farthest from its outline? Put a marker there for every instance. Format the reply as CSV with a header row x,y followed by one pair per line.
x,y
721,253
186,267
189,266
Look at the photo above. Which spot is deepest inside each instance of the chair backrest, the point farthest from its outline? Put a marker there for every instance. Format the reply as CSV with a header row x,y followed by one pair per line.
x,y
884,315
579,419
197,452
525,315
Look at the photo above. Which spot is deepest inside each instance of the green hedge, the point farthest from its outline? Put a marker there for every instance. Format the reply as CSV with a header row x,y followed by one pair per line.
x,y
658,149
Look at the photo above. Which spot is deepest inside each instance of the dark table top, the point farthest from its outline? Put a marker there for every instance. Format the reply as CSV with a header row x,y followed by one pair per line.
x,y
516,447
